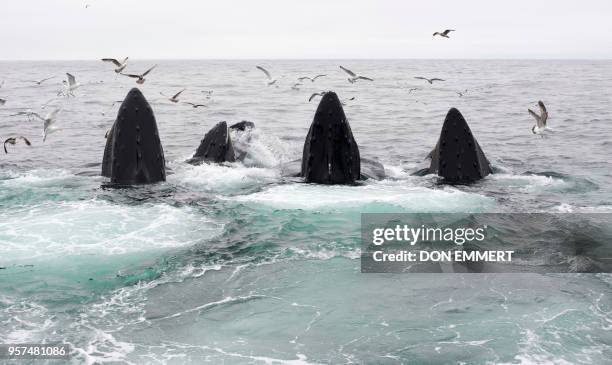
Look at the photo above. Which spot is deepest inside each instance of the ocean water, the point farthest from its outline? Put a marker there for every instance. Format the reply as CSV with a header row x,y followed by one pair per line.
x,y
236,264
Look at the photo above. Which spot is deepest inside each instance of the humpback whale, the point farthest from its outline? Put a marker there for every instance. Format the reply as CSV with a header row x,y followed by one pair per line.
x,y
216,146
457,157
330,154
133,152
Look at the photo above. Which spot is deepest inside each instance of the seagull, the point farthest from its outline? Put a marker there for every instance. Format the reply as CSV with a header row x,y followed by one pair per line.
x,y
344,103
28,113
2,102
69,85
141,78
208,93
444,34
431,81
353,77
271,81
296,86
120,65
312,79
412,89
48,122
13,141
39,82
541,119
316,94
195,106
461,93
174,98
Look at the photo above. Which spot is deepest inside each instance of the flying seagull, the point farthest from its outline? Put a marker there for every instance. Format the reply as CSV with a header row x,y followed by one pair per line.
x,y
444,34
69,85
354,77
140,78
208,93
316,94
13,141
48,122
28,113
431,81
271,81
120,66
412,89
541,119
296,86
461,93
312,79
2,102
39,82
174,98
195,106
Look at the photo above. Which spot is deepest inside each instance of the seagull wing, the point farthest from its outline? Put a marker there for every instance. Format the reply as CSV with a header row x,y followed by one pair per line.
x,y
537,117
351,73
316,77
36,115
543,113
313,96
421,78
436,79
10,140
364,78
131,75
448,31
304,78
71,79
25,140
117,63
52,114
149,70
265,71
46,79
177,94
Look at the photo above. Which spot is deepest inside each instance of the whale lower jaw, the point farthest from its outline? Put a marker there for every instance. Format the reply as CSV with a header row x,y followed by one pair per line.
x,y
330,154
133,153
457,157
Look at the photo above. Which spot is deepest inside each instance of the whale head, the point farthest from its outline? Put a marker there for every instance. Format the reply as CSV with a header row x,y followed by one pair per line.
x,y
133,152
330,155
216,146
458,157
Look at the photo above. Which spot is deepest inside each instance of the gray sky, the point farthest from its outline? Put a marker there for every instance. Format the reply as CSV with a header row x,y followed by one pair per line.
x,y
64,29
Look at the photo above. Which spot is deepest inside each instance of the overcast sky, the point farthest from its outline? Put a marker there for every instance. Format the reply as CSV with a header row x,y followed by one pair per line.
x,y
223,29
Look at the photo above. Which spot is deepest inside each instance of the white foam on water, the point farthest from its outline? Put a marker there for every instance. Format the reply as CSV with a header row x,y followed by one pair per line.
x,y
95,227
38,178
264,149
223,178
398,193
104,348
24,321
530,183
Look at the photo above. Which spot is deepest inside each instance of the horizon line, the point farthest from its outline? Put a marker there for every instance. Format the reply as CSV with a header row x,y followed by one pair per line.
x,y
323,59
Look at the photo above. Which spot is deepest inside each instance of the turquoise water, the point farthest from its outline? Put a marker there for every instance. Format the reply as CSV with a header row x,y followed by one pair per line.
x,y
237,264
